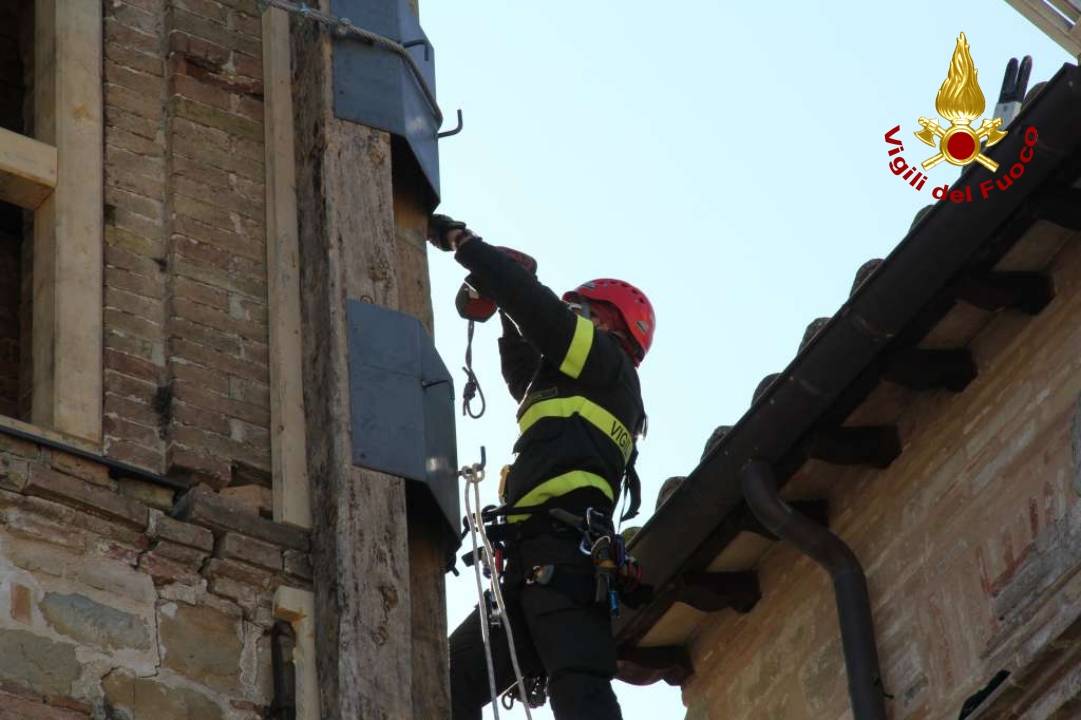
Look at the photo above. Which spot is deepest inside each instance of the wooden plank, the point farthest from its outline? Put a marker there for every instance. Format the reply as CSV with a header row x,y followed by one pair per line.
x,y
50,435
1050,22
288,451
427,585
27,170
428,596
431,692
1068,9
346,242
297,607
68,225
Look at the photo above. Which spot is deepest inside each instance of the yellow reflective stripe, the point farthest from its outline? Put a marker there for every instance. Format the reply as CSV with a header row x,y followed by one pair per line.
x,y
600,418
558,486
578,351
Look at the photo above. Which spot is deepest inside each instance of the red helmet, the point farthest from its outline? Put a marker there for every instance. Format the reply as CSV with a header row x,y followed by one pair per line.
x,y
633,306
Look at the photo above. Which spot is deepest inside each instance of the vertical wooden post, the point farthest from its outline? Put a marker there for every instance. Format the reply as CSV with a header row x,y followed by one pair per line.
x,y
428,590
359,531
431,683
68,225
292,494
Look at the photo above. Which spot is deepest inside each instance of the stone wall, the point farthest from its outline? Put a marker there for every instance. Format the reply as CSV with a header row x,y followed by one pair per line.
x,y
119,601
186,359
971,541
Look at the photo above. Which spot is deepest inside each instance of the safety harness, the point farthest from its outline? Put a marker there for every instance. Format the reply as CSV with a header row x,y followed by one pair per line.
x,y
617,574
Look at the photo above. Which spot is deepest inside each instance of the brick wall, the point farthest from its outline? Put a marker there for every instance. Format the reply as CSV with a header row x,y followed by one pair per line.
x,y
971,541
186,379
118,598
110,608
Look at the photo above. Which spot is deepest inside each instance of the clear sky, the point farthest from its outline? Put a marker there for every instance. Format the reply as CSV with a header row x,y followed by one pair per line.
x,y
728,158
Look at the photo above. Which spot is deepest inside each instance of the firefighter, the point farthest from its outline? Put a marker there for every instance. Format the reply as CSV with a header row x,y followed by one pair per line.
x,y
572,366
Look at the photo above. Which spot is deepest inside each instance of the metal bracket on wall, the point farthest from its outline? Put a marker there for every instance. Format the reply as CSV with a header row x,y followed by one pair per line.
x,y
402,405
367,90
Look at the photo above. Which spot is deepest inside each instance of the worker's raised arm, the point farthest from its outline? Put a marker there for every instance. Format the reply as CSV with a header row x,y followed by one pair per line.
x,y
517,358
569,341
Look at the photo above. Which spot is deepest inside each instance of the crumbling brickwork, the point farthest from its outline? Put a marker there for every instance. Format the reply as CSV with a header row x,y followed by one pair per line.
x,y
186,379
971,541
116,603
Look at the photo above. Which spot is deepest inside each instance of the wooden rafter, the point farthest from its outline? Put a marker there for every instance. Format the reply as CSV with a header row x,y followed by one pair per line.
x,y
27,170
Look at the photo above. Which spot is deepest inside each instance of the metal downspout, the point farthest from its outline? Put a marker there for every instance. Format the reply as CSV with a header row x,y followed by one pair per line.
x,y
849,584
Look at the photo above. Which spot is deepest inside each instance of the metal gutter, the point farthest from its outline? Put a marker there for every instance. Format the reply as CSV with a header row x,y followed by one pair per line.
x,y
910,282
116,468
849,585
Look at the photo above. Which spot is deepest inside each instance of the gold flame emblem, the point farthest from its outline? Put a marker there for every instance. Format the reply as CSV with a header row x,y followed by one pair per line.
x,y
960,101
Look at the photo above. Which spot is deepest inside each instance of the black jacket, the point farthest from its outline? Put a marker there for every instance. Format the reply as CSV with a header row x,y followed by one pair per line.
x,y
561,370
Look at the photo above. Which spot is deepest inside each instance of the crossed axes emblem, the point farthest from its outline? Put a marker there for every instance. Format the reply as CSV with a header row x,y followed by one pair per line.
x,y
988,131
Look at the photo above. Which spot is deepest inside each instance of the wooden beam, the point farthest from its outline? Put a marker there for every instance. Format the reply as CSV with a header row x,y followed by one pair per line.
x,y
1051,23
27,170
363,604
68,225
919,369
1028,292
876,446
297,607
1062,207
714,591
427,552
630,628
671,664
288,441
430,653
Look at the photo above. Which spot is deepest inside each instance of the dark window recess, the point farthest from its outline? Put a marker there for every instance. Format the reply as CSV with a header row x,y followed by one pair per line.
x,y
11,331
976,699
16,96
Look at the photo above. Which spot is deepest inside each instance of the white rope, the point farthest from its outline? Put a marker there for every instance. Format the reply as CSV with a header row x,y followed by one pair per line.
x,y
497,591
473,476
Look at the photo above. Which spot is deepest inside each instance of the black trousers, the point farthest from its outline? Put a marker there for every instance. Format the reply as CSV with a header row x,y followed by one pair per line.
x,y
559,631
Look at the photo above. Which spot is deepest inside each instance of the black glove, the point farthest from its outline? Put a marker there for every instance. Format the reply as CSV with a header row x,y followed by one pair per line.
x,y
439,227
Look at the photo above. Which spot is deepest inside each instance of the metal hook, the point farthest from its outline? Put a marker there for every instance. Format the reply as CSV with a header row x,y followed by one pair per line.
x,y
475,472
455,131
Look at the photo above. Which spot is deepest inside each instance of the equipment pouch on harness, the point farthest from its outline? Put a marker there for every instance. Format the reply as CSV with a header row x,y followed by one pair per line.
x,y
617,574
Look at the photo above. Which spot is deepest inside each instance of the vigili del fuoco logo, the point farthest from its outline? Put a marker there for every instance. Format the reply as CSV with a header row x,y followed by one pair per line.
x,y
960,101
